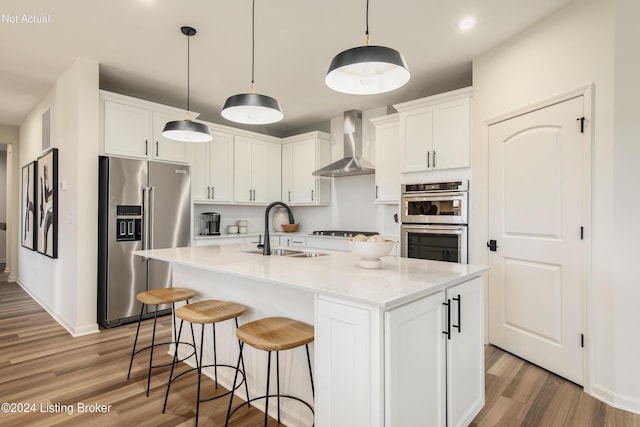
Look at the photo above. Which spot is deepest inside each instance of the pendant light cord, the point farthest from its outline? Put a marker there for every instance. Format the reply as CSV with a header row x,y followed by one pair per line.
x,y
253,45
366,34
188,72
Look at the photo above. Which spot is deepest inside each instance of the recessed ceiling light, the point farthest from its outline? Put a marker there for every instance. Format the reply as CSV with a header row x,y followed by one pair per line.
x,y
467,23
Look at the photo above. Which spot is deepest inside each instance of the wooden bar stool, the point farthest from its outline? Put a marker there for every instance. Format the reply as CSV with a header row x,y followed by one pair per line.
x,y
157,297
203,313
273,334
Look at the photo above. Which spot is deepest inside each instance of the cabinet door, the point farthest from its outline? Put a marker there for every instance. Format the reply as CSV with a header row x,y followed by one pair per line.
x,y
199,162
304,163
415,373
387,162
221,167
275,172
287,172
260,157
127,130
465,354
451,134
347,365
416,133
242,190
167,149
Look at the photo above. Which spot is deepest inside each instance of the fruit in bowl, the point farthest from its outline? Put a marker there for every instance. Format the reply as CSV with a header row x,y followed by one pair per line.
x,y
290,228
370,249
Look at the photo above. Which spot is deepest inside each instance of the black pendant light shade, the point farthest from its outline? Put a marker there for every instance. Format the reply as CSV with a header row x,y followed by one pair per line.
x,y
253,109
186,130
367,70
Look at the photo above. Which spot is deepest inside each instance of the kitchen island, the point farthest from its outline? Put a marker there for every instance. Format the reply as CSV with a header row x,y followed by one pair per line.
x,y
401,345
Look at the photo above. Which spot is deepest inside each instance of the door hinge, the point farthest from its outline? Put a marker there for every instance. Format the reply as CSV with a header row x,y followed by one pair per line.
x,y
581,233
581,119
582,340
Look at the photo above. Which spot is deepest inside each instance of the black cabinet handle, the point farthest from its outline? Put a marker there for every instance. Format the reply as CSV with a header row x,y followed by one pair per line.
x,y
428,159
146,147
157,149
434,158
459,325
448,331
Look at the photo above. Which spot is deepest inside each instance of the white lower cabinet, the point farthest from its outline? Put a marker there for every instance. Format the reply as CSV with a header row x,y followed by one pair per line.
x,y
398,368
465,353
440,373
415,374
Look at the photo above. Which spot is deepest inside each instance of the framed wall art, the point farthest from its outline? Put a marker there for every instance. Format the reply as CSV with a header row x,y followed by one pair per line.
x,y
29,236
47,206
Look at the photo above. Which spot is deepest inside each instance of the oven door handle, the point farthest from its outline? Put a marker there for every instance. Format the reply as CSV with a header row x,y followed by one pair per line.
x,y
421,197
431,229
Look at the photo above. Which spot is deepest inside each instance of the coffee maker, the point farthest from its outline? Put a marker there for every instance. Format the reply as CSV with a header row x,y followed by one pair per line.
x,y
210,223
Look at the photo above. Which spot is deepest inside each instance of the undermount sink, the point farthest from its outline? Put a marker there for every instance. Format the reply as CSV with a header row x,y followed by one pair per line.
x,y
289,252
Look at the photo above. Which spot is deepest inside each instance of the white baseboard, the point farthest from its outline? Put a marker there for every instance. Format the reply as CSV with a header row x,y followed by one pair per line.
x,y
75,332
620,401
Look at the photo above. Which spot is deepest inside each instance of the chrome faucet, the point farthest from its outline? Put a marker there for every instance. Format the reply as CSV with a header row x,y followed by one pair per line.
x,y
266,246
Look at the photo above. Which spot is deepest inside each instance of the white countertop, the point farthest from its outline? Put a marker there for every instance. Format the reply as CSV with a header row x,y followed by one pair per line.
x,y
398,281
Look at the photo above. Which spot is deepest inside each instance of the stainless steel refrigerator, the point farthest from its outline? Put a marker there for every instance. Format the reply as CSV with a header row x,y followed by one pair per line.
x,y
142,205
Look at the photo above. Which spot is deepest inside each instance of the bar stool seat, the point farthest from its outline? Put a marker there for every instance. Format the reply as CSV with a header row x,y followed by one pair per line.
x,y
203,313
274,334
157,297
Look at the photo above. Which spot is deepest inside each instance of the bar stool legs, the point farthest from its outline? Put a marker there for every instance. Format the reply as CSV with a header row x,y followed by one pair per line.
x,y
157,297
205,312
273,334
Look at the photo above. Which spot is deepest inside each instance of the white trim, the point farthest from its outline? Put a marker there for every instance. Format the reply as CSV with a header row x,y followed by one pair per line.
x,y
75,332
619,401
586,92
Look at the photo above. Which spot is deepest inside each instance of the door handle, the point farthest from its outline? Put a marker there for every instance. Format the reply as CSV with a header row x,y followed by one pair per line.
x,y
213,193
157,149
448,331
459,325
376,191
152,202
428,159
434,158
312,196
208,192
250,195
146,147
289,195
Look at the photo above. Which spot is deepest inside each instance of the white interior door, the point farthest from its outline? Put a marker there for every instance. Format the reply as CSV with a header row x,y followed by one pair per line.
x,y
536,215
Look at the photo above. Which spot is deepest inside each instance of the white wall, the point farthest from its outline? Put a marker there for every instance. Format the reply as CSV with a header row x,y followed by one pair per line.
x,y
9,136
626,199
66,286
572,48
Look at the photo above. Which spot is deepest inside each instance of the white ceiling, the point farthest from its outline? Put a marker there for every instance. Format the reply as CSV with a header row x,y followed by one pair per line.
x,y
142,52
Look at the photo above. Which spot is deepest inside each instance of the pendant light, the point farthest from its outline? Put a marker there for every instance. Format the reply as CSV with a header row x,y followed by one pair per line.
x,y
252,108
186,130
367,70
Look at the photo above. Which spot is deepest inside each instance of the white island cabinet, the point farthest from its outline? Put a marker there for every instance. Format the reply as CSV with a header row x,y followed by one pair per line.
x,y
380,355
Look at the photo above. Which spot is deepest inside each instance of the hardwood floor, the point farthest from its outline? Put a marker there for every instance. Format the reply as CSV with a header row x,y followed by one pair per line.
x,y
43,366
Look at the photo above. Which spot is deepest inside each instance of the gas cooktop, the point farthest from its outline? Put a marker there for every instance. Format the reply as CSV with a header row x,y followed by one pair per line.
x,y
342,233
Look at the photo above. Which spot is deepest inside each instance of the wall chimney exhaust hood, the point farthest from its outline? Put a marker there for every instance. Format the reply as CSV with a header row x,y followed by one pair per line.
x,y
352,163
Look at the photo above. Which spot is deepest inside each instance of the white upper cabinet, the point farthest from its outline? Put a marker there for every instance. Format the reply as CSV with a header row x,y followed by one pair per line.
x,y
133,128
301,156
435,132
256,171
212,169
387,140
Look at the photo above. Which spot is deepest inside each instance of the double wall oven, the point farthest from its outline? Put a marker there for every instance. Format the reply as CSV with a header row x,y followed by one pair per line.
x,y
434,221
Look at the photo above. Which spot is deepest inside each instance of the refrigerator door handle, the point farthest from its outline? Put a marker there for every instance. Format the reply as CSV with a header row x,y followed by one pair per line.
x,y
145,218
151,214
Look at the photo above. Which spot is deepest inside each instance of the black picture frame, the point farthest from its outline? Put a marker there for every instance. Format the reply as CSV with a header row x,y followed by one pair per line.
x,y
47,206
28,211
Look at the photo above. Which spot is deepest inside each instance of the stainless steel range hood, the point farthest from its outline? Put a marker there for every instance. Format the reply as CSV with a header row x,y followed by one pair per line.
x,y
352,163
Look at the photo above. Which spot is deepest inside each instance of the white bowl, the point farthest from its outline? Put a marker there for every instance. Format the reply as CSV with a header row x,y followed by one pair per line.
x,y
242,229
232,229
371,252
242,223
